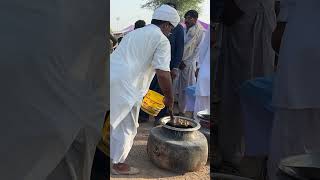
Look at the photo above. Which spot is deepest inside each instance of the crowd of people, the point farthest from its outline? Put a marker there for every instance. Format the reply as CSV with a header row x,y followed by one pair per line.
x,y
163,56
273,46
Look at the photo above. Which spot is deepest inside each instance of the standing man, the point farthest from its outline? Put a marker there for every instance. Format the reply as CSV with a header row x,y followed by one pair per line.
x,y
295,98
177,46
177,43
247,53
143,53
193,37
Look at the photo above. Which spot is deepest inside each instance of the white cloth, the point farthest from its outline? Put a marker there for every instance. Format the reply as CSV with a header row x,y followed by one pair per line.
x,y
122,137
201,103
247,53
190,98
203,82
133,66
190,103
190,56
53,82
297,76
167,13
294,132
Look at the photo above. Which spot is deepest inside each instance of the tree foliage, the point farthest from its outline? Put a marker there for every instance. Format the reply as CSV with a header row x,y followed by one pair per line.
x,y
182,5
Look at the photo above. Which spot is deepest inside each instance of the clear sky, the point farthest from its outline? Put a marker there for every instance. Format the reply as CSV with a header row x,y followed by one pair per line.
x,y
123,13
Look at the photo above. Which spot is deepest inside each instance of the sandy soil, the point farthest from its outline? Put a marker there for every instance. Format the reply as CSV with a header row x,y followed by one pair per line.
x,y
138,158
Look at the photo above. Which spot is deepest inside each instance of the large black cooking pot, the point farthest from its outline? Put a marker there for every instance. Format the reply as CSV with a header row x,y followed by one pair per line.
x,y
180,147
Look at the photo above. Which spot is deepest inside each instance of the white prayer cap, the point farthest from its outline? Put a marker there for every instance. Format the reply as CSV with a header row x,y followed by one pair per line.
x,y
167,13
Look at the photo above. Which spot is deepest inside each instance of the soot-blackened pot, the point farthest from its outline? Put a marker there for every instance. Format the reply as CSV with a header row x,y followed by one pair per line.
x,y
178,148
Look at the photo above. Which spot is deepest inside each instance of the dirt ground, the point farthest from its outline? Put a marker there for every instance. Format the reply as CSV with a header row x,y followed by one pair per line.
x,y
138,158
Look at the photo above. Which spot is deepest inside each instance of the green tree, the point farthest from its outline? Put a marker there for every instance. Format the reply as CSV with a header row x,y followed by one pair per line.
x,y
182,5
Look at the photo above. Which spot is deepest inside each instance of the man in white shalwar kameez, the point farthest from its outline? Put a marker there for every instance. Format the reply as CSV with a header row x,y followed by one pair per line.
x,y
296,100
142,54
193,37
53,91
247,53
203,80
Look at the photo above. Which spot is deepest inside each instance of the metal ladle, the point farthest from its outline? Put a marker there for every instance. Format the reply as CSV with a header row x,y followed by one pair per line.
x,y
172,117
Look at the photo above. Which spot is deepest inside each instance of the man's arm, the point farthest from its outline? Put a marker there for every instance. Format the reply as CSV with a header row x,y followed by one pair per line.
x,y
277,36
282,19
179,47
196,52
197,55
165,83
161,64
202,47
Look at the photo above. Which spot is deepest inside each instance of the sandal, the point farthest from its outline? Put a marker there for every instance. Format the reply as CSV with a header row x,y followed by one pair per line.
x,y
132,171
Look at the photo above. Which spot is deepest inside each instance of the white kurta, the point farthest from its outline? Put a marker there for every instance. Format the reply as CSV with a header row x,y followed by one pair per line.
x,y
297,118
187,77
53,82
297,76
133,66
203,82
247,53
122,137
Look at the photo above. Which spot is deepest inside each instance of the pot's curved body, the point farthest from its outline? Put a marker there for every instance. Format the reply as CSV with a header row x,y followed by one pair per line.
x,y
203,117
178,149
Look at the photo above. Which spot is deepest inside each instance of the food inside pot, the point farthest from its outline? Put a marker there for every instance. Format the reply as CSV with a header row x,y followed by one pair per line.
x,y
180,123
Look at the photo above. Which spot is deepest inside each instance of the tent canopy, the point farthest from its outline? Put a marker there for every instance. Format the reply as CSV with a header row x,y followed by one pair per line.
x,y
131,28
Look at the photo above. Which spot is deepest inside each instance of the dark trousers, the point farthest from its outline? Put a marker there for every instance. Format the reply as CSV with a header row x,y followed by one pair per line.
x,y
101,166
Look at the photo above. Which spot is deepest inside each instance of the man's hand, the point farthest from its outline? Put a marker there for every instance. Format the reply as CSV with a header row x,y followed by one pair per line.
x,y
277,36
174,73
182,66
168,102
197,72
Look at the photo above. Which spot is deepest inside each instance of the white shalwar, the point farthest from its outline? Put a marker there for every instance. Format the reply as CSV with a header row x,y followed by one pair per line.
x,y
133,66
203,82
297,117
247,54
53,87
187,77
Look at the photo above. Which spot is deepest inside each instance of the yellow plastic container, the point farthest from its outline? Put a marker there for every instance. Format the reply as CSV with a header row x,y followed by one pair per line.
x,y
152,103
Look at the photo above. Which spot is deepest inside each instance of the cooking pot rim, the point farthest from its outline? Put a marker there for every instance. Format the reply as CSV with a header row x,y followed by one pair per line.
x,y
196,125
205,115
